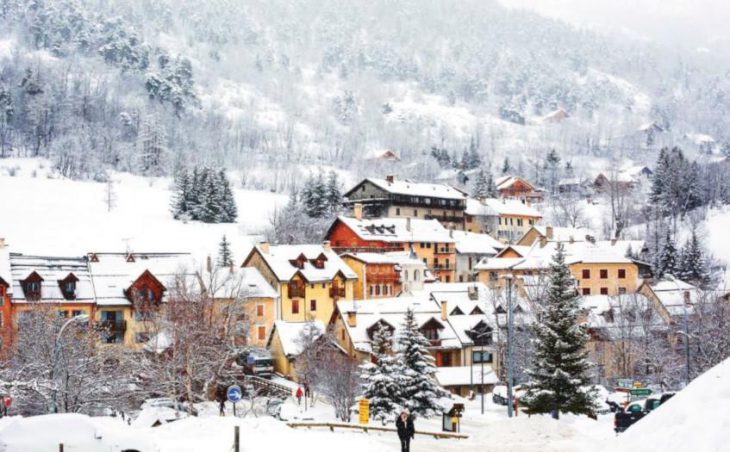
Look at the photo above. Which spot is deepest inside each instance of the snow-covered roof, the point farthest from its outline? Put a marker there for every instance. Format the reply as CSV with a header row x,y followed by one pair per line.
x,y
406,187
113,273
52,270
504,182
398,229
565,234
473,243
373,258
392,311
621,314
700,138
279,258
465,375
291,333
494,206
240,282
676,295
381,154
540,257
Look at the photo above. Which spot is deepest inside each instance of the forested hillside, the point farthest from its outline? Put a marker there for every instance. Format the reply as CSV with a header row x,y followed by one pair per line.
x,y
275,85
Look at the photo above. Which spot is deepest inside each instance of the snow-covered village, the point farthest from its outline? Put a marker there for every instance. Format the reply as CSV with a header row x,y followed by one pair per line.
x,y
392,225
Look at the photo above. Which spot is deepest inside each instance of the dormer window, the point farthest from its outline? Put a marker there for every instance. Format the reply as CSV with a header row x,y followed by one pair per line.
x,y
32,286
68,286
299,261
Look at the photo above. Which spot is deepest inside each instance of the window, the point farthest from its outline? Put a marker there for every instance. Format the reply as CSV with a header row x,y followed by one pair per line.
x,y
415,275
312,305
586,274
415,212
532,222
431,334
377,290
604,290
261,332
33,286
604,273
586,291
397,211
295,306
423,245
519,222
1,319
372,290
69,287
481,356
260,310
141,338
622,291
621,273
75,313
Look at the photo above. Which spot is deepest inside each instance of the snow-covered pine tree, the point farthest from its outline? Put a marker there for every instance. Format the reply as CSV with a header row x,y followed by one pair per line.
x,y
666,261
181,199
419,391
659,179
506,168
333,193
229,210
382,378
560,368
481,186
693,265
225,255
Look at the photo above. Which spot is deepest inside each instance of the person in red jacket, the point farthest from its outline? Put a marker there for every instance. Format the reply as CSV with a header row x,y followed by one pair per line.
x,y
299,395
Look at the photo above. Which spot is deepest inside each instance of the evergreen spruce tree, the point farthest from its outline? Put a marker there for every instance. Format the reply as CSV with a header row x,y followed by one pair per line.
x,y
659,179
319,198
506,168
333,194
382,378
229,211
225,255
181,199
693,265
667,260
560,368
481,186
419,389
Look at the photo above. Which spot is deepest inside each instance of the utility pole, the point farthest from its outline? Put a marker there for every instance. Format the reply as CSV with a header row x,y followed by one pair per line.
x,y
508,277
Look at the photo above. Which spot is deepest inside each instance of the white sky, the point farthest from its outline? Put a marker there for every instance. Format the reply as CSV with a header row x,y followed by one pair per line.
x,y
691,23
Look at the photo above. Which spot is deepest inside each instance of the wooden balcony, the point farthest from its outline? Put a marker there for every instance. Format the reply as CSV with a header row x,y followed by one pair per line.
x,y
295,292
337,292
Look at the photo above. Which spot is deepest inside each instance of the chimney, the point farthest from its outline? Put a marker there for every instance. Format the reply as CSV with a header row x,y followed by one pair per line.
x,y
543,242
2,243
357,211
327,245
352,319
549,232
444,310
408,224
390,179
264,247
451,233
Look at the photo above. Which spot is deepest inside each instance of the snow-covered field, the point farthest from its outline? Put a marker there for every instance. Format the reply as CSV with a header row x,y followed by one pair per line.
x,y
43,213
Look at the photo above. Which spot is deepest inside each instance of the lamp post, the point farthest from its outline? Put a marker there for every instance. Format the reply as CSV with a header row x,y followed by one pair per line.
x,y
508,277
56,357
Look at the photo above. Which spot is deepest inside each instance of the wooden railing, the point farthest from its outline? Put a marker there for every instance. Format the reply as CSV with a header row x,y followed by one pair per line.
x,y
268,387
376,428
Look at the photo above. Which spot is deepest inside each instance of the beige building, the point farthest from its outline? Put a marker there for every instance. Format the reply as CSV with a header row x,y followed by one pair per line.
x,y
505,219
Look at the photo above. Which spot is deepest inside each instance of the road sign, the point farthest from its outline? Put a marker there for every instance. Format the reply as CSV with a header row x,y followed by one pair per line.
x,y
250,359
641,392
234,393
364,409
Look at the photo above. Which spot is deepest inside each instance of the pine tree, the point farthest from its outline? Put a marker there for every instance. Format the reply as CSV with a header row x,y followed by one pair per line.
x,y
181,199
419,389
333,194
560,368
693,265
229,211
506,168
382,379
666,262
225,255
481,186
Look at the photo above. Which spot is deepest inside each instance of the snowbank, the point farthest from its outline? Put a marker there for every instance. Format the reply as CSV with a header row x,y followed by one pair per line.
x,y
696,419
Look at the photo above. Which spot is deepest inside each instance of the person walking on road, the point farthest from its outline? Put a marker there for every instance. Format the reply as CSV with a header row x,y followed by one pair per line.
x,y
222,407
406,431
299,395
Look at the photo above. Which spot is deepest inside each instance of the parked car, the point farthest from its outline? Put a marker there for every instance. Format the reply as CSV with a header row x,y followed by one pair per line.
x,y
637,409
257,362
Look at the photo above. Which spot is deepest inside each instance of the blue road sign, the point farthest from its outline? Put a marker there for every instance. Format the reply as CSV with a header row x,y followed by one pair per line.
x,y
250,360
234,393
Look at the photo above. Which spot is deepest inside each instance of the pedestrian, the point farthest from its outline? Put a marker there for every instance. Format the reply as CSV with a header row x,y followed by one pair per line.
x,y
306,390
299,395
406,431
222,407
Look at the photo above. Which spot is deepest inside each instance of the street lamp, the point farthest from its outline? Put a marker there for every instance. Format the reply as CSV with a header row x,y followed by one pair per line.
x,y
509,277
57,352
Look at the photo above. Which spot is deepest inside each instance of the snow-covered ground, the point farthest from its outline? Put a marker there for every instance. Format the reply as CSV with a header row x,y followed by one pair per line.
x,y
43,213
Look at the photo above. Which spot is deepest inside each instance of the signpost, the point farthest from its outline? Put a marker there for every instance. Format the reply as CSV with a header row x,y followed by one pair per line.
x,y
364,409
234,395
640,392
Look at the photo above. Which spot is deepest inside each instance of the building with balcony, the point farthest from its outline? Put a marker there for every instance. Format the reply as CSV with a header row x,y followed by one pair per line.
x,y
394,198
505,219
428,240
378,275
308,279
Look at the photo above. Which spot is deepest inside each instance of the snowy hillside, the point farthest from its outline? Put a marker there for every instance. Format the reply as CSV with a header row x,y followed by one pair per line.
x,y
49,215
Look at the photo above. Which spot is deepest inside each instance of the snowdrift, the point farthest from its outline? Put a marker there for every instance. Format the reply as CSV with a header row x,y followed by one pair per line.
x,y
696,419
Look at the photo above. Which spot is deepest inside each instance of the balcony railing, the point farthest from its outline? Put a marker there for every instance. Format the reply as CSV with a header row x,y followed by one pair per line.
x,y
337,292
444,250
295,292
